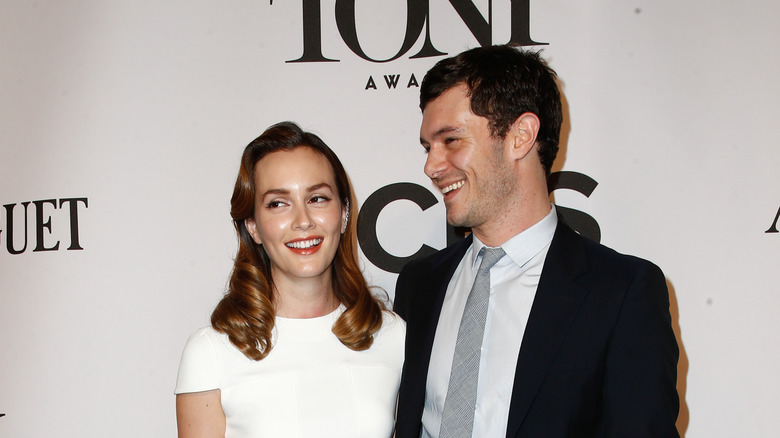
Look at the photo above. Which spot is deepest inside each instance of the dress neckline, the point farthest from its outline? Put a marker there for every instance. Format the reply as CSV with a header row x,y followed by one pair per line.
x,y
336,312
307,329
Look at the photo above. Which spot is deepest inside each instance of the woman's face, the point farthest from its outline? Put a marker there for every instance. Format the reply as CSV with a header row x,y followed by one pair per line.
x,y
298,215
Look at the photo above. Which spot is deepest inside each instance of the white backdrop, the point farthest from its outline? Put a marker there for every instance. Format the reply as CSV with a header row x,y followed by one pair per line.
x,y
143,109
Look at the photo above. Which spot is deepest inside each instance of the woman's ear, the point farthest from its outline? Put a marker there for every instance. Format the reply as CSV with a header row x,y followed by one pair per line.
x,y
251,226
523,134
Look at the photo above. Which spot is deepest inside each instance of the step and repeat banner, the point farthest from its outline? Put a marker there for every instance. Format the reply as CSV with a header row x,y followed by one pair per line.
x,y
122,124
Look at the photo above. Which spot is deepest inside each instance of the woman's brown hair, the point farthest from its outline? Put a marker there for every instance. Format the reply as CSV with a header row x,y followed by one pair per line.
x,y
246,312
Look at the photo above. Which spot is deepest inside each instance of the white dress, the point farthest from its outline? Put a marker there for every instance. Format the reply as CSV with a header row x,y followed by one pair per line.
x,y
309,385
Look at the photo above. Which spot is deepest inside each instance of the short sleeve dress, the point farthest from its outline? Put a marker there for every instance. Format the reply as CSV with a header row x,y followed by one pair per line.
x,y
309,385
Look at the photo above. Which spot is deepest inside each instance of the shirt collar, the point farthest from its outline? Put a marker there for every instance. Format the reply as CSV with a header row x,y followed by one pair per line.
x,y
524,246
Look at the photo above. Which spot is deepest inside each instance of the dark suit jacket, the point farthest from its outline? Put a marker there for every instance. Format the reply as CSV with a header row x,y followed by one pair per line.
x,y
598,357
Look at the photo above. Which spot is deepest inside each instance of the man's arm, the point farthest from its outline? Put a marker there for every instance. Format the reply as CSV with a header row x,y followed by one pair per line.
x,y
402,288
640,384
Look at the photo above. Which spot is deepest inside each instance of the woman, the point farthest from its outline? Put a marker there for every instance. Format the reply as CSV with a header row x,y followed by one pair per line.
x,y
298,346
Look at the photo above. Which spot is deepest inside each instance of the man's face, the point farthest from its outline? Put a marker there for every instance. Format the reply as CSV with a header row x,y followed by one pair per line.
x,y
465,161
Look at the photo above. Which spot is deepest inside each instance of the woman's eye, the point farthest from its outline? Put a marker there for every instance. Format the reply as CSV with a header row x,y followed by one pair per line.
x,y
319,199
274,204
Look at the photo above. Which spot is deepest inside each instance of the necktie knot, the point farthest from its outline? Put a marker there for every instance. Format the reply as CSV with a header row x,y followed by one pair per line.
x,y
490,256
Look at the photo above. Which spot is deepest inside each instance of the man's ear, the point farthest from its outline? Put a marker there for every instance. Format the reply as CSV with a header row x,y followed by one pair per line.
x,y
523,134
251,226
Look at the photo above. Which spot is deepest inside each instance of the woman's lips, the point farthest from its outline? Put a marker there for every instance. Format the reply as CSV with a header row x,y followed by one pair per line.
x,y
305,246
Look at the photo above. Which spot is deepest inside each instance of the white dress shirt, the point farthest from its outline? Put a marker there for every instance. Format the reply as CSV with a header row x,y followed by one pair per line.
x,y
513,282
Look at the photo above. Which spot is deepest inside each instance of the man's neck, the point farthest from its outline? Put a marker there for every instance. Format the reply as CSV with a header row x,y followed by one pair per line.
x,y
508,224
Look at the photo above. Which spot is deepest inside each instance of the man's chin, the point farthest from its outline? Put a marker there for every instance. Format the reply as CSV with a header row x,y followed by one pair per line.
x,y
458,221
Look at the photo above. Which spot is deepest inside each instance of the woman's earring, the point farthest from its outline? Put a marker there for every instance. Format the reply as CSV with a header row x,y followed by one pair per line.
x,y
346,220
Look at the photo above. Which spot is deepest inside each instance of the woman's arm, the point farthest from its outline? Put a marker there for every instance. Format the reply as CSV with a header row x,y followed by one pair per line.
x,y
200,415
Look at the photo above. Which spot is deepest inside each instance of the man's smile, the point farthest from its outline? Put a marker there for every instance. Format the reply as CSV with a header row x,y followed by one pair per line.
x,y
453,186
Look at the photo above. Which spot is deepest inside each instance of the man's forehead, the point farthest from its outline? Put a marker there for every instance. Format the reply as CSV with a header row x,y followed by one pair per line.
x,y
447,114
459,92
442,131
453,99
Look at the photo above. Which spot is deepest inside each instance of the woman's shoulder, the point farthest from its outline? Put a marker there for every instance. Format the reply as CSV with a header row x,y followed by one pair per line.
x,y
393,326
391,319
204,334
198,369
206,340
387,348
199,342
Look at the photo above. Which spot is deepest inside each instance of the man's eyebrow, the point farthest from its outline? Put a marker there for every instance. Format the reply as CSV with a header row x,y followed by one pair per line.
x,y
441,131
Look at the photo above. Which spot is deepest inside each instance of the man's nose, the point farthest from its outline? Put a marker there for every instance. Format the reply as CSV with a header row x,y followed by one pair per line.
x,y
434,162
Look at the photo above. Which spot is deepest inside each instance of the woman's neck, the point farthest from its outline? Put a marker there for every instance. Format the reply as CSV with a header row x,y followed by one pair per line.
x,y
304,299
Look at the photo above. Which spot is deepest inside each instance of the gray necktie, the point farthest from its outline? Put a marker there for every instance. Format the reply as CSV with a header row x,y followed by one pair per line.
x,y
458,416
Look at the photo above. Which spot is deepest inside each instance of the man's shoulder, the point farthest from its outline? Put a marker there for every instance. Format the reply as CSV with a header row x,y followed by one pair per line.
x,y
426,274
597,256
447,256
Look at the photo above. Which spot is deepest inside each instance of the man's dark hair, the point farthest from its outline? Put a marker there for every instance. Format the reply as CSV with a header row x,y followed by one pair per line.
x,y
503,82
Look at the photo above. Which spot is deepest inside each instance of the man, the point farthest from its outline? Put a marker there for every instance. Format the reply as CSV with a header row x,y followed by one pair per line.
x,y
576,340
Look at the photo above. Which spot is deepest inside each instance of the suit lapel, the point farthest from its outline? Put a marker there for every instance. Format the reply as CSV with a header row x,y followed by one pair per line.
x,y
556,304
421,324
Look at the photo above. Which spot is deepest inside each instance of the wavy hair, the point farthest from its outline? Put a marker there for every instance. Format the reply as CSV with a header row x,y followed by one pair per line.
x,y
246,313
